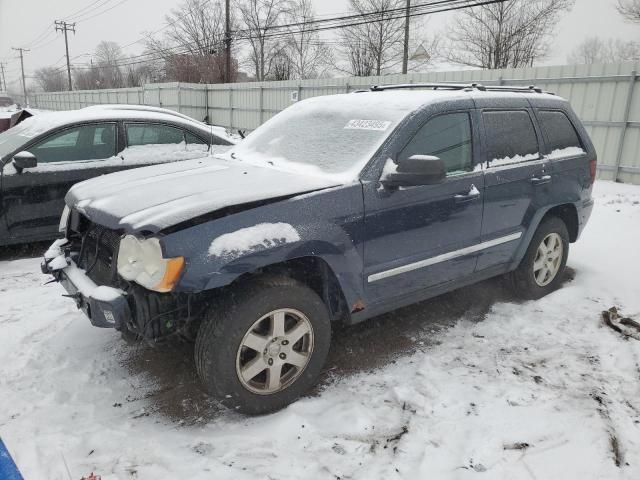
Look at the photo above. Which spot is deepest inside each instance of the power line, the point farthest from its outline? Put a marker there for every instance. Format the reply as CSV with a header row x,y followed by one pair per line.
x,y
41,37
245,32
398,13
83,19
84,9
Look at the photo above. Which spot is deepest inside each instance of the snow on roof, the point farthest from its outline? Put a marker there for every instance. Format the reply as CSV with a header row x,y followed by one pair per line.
x,y
398,100
141,108
45,121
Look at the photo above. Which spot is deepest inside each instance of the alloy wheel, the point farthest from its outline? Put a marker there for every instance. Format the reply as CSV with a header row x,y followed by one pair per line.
x,y
548,259
275,351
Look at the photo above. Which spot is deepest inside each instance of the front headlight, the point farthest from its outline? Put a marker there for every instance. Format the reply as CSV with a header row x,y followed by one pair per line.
x,y
140,260
64,219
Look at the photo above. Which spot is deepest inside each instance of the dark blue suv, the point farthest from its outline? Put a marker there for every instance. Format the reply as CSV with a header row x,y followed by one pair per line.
x,y
340,208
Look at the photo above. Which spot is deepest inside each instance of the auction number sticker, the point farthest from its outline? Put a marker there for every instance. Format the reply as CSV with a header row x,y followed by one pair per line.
x,y
379,125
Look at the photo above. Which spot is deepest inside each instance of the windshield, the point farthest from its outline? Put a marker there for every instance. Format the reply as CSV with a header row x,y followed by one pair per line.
x,y
14,138
325,135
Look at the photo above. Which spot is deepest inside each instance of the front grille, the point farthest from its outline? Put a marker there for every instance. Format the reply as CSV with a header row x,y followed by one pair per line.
x,y
99,253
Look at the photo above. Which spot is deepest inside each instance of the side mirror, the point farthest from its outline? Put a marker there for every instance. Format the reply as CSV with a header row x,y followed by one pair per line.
x,y
24,160
413,171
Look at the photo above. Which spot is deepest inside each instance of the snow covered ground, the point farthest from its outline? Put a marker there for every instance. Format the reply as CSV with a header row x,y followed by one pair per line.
x,y
470,385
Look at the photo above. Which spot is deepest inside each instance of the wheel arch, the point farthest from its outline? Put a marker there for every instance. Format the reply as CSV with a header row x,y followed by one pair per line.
x,y
312,271
568,213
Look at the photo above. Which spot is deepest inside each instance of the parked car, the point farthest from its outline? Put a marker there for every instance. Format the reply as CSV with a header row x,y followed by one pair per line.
x,y
6,100
42,157
10,117
338,209
7,110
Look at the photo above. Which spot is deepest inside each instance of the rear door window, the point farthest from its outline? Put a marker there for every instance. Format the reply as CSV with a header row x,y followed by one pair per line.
x,y
561,135
195,143
510,136
153,134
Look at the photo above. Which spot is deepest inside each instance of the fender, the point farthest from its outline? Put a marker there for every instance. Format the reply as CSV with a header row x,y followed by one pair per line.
x,y
533,226
326,224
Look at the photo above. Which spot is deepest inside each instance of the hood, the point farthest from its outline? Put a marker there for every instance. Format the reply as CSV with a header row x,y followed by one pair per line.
x,y
151,199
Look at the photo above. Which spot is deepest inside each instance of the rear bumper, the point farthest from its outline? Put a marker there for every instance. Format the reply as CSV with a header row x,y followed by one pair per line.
x,y
106,307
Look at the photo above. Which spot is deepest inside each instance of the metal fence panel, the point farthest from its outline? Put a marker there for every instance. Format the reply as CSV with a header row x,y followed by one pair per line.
x,y
604,96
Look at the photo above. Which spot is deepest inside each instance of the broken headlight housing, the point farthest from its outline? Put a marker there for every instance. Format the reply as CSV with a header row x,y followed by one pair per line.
x,y
140,260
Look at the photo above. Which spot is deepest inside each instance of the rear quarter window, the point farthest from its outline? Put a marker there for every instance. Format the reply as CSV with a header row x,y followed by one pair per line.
x,y
511,137
561,135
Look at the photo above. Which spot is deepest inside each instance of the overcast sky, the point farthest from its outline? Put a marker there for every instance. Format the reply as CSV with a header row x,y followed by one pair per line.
x,y
29,24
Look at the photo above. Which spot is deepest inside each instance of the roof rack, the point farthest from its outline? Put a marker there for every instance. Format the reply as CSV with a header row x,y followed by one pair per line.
x,y
458,86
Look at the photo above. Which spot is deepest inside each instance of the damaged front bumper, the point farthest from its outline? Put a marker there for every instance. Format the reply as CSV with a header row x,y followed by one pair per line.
x,y
106,307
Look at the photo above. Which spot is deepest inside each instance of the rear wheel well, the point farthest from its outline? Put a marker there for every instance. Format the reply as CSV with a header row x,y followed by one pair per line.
x,y
314,273
569,215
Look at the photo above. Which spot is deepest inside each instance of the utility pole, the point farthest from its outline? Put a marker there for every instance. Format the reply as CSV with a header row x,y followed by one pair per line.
x,y
227,44
405,53
24,82
4,80
62,26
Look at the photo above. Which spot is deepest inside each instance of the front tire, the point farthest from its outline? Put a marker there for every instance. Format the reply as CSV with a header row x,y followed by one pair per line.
x,y
261,348
542,267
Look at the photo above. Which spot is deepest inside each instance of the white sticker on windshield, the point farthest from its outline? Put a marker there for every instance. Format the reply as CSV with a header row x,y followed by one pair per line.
x,y
379,125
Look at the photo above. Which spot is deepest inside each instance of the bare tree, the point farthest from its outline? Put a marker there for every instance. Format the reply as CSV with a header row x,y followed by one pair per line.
x,y
359,55
373,46
259,18
378,41
87,77
51,79
282,65
598,50
197,27
109,56
310,56
630,9
514,33
193,45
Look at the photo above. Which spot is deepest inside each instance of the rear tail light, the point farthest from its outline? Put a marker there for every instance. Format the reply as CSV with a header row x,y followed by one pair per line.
x,y
592,169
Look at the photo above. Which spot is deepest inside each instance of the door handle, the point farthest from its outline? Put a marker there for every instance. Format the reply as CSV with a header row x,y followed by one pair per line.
x,y
473,194
541,180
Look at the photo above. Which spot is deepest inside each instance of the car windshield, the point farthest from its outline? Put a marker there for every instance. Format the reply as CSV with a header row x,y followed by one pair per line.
x,y
14,138
333,135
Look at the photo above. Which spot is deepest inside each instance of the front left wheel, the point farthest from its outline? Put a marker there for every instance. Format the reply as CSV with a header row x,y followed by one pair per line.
x,y
261,348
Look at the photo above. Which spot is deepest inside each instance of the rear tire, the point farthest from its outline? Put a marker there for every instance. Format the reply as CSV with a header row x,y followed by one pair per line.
x,y
541,270
263,346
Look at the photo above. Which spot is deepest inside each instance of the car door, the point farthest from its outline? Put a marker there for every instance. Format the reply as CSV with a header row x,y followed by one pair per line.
x,y
33,198
152,143
517,180
417,237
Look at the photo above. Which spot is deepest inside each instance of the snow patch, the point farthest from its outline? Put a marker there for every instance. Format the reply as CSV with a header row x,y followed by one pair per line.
x,y
55,250
103,293
390,167
499,162
263,235
565,152
58,263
